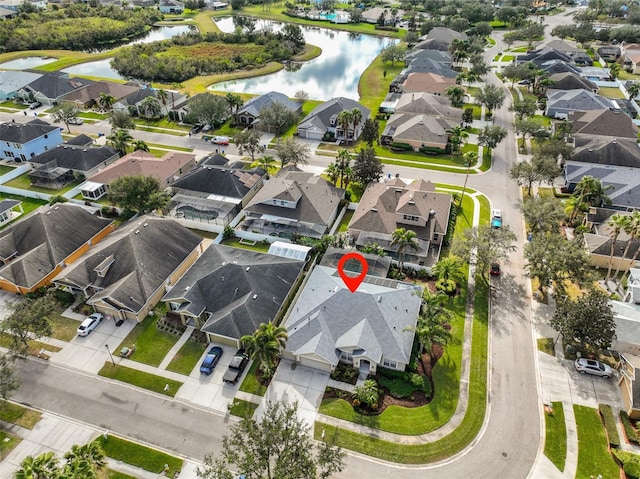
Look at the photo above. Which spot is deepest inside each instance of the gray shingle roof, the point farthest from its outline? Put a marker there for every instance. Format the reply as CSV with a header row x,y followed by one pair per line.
x,y
625,180
219,180
571,81
605,150
55,84
602,123
427,104
317,198
74,158
424,128
145,252
321,115
581,100
371,321
24,132
239,289
80,140
255,105
44,239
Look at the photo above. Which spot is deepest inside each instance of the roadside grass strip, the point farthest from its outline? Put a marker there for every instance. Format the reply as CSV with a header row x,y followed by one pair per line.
x,y
140,456
242,408
19,415
555,443
157,384
594,458
8,442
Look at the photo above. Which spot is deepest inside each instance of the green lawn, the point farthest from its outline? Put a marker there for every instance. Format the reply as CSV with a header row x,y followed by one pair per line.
x,y
186,358
243,409
235,242
7,443
373,85
344,223
111,474
152,345
161,123
14,105
555,444
168,147
19,415
594,457
140,456
152,129
33,348
520,49
250,384
140,378
546,346
23,182
477,110
93,115
64,329
4,169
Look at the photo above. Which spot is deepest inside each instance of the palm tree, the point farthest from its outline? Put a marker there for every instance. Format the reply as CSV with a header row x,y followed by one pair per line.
x,y
573,206
333,173
105,101
614,70
542,214
140,145
344,119
455,95
45,466
403,239
120,139
457,134
235,102
265,345
90,453
617,223
591,191
163,96
367,394
449,272
632,228
150,107
347,177
356,118
267,163
633,90
343,161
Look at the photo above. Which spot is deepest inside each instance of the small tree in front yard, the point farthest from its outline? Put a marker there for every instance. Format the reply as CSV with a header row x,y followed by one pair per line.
x,y
366,394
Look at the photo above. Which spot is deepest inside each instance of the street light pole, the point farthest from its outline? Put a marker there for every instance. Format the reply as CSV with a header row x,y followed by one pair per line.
x,y
110,355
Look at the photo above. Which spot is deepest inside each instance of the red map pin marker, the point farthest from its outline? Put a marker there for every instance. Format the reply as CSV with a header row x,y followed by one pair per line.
x,y
352,282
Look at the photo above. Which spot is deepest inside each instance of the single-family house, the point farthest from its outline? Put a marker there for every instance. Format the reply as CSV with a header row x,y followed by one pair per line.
x,y
563,46
166,170
49,88
542,55
249,114
369,328
562,102
443,57
426,82
229,292
322,121
608,123
385,207
65,163
427,104
417,130
35,249
629,384
598,240
421,64
293,202
609,53
596,73
23,141
7,14
10,210
128,273
558,66
14,5
384,16
572,81
631,55
171,7
12,81
88,97
133,102
440,38
214,191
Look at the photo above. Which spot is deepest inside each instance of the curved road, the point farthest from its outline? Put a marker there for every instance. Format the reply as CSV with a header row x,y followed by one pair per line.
x,y
507,445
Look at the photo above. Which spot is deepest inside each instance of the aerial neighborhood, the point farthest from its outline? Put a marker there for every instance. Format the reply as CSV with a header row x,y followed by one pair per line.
x,y
319,239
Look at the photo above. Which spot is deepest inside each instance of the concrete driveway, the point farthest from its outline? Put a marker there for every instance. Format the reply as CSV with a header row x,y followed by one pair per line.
x,y
295,383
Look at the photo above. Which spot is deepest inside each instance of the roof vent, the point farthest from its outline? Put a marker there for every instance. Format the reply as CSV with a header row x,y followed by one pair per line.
x,y
187,288
85,150
137,231
379,299
224,263
255,296
145,225
248,268
374,209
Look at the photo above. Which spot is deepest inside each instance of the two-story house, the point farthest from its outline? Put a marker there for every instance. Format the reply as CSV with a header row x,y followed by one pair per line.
x,y
21,142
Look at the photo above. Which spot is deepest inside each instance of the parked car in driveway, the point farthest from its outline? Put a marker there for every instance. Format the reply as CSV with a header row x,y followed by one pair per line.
x,y
210,360
196,129
89,324
495,269
220,140
591,366
206,128
76,121
34,105
236,367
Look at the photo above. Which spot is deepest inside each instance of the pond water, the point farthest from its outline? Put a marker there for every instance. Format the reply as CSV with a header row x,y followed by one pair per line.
x,y
336,72
100,68
26,63
154,35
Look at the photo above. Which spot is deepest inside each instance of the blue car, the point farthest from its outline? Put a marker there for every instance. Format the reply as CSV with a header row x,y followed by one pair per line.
x,y
210,360
496,219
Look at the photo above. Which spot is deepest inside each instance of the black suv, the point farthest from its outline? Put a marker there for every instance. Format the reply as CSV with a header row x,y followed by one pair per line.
x,y
196,129
236,367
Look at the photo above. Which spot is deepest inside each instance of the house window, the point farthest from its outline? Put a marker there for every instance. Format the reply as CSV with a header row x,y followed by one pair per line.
x,y
24,158
346,356
17,145
32,154
9,154
411,218
46,136
387,363
46,148
174,306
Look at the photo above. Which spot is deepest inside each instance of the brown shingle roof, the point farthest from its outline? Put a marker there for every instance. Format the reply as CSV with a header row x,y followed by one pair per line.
x,y
603,123
143,163
427,82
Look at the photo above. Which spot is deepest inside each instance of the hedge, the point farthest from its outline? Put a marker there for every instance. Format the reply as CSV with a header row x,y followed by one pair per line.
x,y
432,150
401,146
630,463
609,420
629,430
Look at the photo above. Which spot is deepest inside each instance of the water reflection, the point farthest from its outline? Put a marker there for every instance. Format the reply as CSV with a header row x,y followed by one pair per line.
x,y
100,68
336,72
154,35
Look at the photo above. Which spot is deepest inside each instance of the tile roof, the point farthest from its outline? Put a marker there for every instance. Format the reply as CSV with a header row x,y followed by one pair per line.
x,y
371,322
135,260
239,289
45,239
143,163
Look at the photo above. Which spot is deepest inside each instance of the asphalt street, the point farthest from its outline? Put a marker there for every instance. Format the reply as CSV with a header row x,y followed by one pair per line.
x,y
511,436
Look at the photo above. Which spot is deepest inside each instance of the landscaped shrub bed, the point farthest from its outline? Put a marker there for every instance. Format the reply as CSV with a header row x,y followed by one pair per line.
x,y
609,420
630,463
402,385
345,373
630,431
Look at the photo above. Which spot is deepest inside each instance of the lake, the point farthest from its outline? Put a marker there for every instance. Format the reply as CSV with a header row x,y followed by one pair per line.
x,y
154,35
336,72
26,63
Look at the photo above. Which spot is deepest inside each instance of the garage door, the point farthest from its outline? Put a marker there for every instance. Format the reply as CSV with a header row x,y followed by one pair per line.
x,y
312,363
